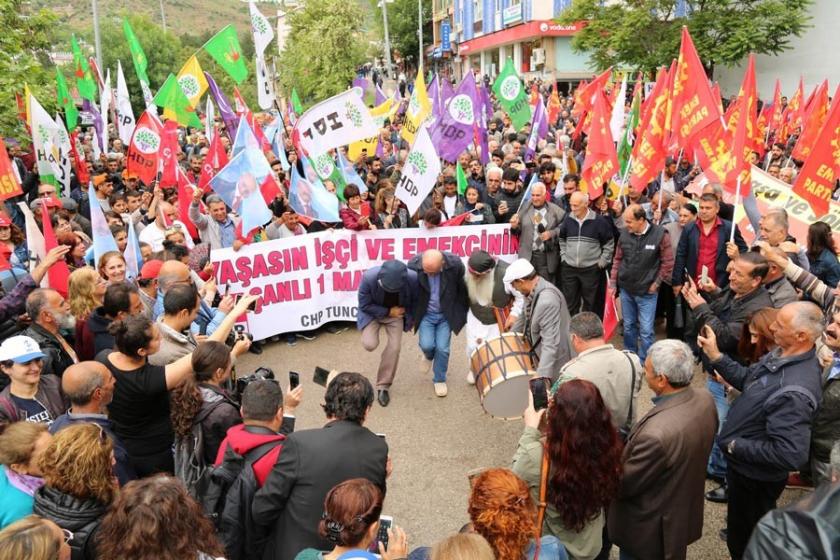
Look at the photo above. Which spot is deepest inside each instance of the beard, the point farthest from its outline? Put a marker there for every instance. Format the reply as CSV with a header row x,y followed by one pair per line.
x,y
65,321
480,290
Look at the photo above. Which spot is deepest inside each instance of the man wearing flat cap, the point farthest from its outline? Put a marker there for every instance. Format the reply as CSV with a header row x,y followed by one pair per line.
x,y
545,321
387,298
488,294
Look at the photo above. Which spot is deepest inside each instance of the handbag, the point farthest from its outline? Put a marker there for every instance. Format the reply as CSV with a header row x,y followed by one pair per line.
x,y
624,431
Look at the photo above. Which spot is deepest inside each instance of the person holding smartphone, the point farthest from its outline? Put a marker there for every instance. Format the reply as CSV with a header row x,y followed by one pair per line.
x,y
356,214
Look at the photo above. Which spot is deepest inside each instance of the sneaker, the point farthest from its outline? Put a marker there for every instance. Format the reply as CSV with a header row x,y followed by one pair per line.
x,y
335,329
795,480
426,366
291,340
719,495
440,389
306,336
275,338
471,378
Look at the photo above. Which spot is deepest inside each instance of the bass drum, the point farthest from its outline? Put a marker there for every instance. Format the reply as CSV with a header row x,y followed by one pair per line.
x,y
502,367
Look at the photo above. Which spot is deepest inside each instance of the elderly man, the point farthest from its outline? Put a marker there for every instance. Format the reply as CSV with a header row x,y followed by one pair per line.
x,y
537,225
493,176
219,229
659,509
51,315
780,290
774,229
787,174
440,310
545,321
89,386
155,233
768,430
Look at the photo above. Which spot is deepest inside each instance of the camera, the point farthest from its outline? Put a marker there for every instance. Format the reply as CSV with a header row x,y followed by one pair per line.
x,y
260,374
241,334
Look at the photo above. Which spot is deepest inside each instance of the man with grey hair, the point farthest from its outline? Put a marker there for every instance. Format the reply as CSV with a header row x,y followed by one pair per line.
x,y
537,225
774,228
52,320
767,431
218,229
89,386
659,508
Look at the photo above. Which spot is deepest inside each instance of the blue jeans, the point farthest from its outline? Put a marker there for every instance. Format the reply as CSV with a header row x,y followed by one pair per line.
x,y
717,461
639,313
434,334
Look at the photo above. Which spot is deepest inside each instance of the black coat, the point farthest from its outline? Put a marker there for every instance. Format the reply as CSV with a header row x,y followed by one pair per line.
x,y
312,462
689,246
453,291
81,517
57,359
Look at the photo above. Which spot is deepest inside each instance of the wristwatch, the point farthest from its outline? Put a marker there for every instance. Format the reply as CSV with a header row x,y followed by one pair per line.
x,y
731,447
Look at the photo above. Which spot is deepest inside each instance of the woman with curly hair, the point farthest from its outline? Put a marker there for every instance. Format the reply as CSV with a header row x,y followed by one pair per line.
x,y
13,243
86,290
79,484
34,538
155,519
75,258
756,338
584,453
502,511
351,522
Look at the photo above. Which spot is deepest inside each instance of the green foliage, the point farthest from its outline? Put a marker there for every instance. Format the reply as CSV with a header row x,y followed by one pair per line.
x,y
645,34
323,50
24,48
402,26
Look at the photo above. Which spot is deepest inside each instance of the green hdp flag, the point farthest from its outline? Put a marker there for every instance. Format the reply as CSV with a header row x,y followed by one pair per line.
x,y
175,104
461,177
71,113
327,170
84,77
297,107
511,94
625,144
137,54
225,50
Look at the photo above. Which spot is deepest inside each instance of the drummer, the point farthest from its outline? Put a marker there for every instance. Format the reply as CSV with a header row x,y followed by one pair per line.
x,y
545,321
488,295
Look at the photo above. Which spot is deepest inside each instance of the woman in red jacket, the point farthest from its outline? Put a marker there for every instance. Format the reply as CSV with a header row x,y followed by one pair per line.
x,y
356,215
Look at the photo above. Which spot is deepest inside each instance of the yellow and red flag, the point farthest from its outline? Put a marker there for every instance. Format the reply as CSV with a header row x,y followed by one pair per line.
x,y
695,106
649,149
554,106
601,161
585,98
792,117
815,183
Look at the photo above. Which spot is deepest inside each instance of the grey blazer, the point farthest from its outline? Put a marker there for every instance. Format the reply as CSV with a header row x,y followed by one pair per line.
x,y
527,230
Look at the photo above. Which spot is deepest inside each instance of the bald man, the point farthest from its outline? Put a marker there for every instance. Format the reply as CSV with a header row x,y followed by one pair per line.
x,y
89,386
441,309
586,249
537,224
154,233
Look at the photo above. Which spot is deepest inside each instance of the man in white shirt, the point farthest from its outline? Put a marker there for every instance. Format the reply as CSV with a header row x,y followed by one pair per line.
x,y
155,233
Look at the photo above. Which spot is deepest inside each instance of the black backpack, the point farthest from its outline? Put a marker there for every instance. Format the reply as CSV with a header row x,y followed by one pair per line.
x,y
806,530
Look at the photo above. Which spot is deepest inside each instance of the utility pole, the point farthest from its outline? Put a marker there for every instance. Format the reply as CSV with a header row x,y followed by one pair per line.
x,y
420,34
387,40
96,40
162,16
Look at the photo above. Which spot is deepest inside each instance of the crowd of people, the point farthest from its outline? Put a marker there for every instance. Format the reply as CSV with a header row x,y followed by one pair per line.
x,y
125,431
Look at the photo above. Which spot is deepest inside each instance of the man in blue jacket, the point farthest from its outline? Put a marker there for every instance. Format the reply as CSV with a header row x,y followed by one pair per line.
x,y
767,432
387,297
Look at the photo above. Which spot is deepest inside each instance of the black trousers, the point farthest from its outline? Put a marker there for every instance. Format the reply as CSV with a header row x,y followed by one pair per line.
x,y
749,500
540,261
580,288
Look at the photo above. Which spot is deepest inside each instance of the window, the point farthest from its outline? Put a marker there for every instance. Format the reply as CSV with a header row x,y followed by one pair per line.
x,y
478,9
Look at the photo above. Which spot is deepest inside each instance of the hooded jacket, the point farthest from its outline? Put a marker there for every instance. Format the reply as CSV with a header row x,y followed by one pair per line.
x,y
243,438
81,517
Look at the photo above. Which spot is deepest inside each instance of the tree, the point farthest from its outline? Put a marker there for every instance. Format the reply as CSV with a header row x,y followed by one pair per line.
x,y
323,50
24,59
645,34
402,26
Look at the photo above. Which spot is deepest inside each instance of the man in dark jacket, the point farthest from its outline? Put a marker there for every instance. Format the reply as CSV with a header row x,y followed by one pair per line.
x,y
441,309
51,315
387,298
826,427
768,430
291,502
509,197
120,301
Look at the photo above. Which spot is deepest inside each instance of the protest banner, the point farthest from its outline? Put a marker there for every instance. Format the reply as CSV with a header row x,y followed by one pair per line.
x,y
337,121
306,281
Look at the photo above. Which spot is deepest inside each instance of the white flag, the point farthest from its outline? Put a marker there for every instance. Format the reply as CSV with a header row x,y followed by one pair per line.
x,y
44,139
617,118
420,172
125,114
105,106
265,86
261,28
60,160
209,118
34,240
337,121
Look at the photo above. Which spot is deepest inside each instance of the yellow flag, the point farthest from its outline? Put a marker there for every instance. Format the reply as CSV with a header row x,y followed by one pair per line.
x,y
192,81
419,108
378,113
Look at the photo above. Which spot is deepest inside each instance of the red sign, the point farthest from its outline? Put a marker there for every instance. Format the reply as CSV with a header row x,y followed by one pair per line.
x,y
538,28
9,185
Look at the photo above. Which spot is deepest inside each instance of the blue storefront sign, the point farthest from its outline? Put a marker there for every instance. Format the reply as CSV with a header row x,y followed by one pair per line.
x,y
445,30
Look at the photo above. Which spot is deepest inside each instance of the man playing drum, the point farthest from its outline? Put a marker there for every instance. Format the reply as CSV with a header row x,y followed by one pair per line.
x,y
545,322
488,294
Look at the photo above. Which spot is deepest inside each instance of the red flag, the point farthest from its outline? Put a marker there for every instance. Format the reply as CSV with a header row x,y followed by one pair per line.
x,y
144,150
239,102
79,163
610,313
216,159
4,260
813,123
601,161
269,188
776,116
585,100
554,106
21,111
58,273
457,220
185,196
695,106
716,95
815,183
792,117
649,149
9,185
169,149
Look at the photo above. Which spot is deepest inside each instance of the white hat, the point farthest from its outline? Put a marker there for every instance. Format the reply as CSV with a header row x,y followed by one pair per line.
x,y
20,349
518,269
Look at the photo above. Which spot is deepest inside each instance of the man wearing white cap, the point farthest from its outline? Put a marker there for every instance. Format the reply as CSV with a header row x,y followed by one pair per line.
x,y
29,396
545,321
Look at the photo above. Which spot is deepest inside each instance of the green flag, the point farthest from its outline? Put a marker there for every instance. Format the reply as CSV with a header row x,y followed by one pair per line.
x,y
225,50
84,78
71,113
297,107
461,177
625,144
175,104
327,170
511,94
137,54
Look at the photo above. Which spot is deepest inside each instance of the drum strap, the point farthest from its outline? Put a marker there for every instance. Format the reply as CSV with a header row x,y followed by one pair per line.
x,y
625,430
543,504
535,359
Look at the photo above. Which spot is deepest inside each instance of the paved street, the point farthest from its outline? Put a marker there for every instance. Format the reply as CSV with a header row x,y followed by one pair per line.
x,y
434,442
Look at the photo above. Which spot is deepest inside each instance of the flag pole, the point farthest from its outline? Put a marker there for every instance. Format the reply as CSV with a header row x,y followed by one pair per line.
x,y
735,207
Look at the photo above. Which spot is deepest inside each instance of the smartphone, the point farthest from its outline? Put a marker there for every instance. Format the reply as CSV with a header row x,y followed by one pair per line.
x,y
380,435
539,390
253,306
294,380
227,289
385,523
320,376
686,275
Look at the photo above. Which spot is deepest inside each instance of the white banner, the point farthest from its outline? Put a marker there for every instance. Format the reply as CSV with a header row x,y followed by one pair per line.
x,y
210,119
420,172
125,114
261,28
265,87
338,121
309,280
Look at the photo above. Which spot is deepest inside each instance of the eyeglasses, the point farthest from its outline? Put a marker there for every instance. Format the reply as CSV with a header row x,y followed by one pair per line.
x,y
68,535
